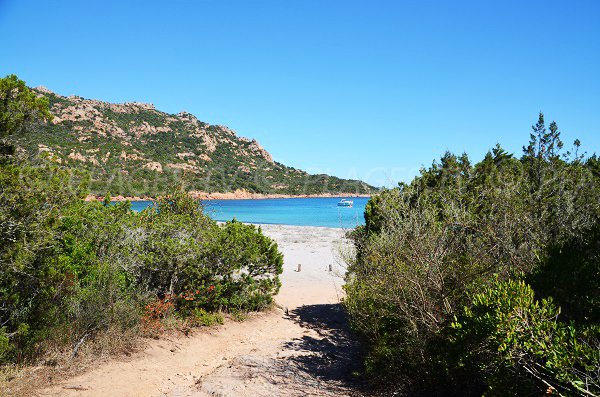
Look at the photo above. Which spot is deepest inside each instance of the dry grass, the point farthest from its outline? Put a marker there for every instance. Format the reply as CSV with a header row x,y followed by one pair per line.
x,y
58,363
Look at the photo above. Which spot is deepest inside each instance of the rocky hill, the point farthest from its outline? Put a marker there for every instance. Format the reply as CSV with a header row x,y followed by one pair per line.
x,y
133,149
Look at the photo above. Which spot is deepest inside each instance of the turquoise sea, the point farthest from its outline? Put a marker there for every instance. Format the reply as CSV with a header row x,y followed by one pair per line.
x,y
293,211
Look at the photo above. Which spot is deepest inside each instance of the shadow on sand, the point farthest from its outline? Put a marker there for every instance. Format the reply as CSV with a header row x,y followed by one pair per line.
x,y
333,356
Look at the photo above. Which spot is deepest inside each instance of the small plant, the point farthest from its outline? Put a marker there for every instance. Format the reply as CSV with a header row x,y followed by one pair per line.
x,y
238,315
207,319
154,313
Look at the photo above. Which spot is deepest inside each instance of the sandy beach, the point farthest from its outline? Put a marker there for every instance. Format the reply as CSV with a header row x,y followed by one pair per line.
x,y
315,249
300,348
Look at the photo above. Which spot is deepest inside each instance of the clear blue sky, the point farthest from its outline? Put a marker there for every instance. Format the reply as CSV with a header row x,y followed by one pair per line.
x,y
368,89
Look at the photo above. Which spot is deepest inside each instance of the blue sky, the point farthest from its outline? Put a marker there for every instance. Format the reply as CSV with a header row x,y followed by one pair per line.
x,y
367,89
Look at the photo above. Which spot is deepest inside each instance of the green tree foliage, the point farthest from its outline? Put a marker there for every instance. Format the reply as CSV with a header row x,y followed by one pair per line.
x,y
570,273
460,229
31,201
70,270
19,107
184,250
515,345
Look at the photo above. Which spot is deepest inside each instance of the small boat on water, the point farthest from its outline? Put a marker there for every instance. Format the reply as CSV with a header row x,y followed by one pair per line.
x,y
345,203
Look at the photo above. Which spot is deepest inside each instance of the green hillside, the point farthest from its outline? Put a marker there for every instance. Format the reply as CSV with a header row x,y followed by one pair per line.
x,y
132,149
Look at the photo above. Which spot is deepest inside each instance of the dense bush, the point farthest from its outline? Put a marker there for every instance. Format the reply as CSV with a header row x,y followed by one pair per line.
x,y
514,344
31,201
72,269
183,250
459,230
570,273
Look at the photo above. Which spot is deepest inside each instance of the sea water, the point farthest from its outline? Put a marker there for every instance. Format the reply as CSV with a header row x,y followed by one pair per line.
x,y
291,211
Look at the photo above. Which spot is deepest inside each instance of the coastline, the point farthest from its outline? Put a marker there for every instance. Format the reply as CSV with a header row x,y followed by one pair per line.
x,y
236,195
266,225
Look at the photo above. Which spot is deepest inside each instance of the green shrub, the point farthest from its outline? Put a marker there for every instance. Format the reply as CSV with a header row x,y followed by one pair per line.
x,y
31,202
202,317
72,269
183,251
516,345
455,231
250,263
570,274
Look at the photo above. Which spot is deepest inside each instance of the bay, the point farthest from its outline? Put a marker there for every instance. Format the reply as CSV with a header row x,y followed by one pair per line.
x,y
321,211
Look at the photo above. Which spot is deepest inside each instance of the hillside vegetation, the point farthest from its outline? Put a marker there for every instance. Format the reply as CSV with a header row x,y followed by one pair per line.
x,y
484,279
76,275
133,149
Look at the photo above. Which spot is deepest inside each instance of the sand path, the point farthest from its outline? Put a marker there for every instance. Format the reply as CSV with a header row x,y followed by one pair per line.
x,y
302,349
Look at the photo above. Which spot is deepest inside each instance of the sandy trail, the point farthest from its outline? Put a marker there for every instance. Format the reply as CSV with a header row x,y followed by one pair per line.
x,y
302,349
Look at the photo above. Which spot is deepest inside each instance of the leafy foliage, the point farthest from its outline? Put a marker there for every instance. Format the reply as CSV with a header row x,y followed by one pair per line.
x,y
19,107
570,274
459,230
30,210
72,269
516,342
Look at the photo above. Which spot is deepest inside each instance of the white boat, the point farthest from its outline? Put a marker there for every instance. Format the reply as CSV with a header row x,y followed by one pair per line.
x,y
345,203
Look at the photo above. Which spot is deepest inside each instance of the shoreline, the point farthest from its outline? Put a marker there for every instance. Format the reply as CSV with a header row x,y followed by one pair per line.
x,y
236,195
285,225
